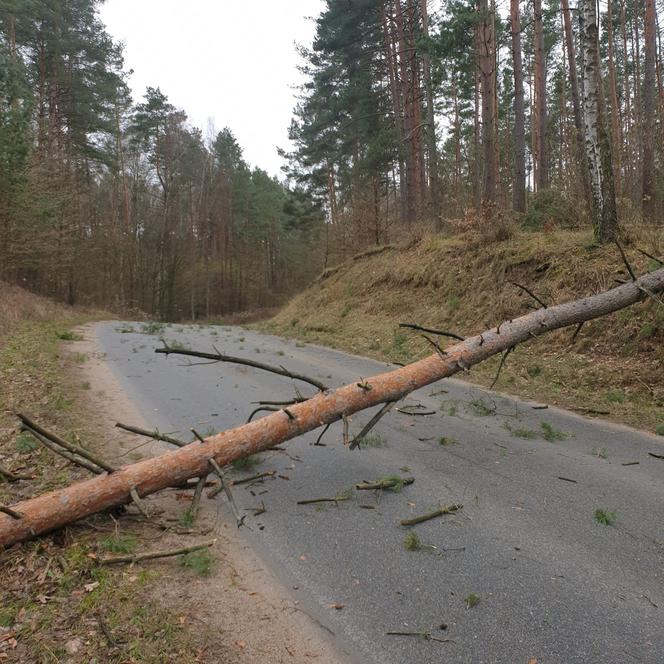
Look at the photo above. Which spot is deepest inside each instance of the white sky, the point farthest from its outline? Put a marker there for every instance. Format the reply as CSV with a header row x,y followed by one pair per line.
x,y
233,61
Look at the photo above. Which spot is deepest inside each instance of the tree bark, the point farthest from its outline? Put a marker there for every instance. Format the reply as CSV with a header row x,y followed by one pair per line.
x,y
487,47
540,122
616,133
648,195
63,506
519,183
598,145
432,148
576,103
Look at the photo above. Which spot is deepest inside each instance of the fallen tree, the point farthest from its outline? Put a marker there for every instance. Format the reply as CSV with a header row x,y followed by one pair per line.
x,y
107,490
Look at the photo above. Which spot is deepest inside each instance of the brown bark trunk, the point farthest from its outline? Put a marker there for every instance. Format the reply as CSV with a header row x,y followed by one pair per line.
x,y
649,105
539,125
616,134
519,184
576,102
432,148
61,507
488,81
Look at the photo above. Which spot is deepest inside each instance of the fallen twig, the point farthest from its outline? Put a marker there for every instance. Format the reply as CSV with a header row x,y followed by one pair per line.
x,y
656,456
503,358
151,434
385,483
427,636
227,490
449,509
529,292
567,479
33,427
151,555
219,357
440,333
371,424
335,499
322,433
12,477
10,512
254,478
405,411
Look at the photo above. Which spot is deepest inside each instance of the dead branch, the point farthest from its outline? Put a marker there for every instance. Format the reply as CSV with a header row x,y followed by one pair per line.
x,y
529,292
385,483
371,424
151,555
219,357
12,477
651,257
83,463
33,427
227,490
625,261
440,333
503,358
449,509
57,508
254,478
151,434
335,499
10,512
196,500
322,433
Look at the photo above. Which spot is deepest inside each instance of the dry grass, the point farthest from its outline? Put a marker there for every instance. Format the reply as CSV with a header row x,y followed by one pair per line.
x,y
55,602
462,285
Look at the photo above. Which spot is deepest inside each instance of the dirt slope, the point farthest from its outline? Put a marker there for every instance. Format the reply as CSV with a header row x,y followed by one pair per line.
x,y
613,368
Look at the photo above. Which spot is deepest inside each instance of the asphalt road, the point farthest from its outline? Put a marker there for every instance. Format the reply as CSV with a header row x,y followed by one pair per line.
x,y
553,584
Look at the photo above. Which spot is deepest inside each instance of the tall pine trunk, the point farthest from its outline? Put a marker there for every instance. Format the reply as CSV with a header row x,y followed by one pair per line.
x,y
539,124
519,183
649,102
488,82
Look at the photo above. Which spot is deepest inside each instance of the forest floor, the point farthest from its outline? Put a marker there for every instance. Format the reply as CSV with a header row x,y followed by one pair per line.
x,y
56,603
612,369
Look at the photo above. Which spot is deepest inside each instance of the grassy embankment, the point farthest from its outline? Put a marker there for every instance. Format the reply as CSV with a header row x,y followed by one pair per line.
x,y
56,603
614,368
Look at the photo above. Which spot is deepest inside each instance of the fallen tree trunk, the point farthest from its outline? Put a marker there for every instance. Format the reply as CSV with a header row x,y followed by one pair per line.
x,y
59,508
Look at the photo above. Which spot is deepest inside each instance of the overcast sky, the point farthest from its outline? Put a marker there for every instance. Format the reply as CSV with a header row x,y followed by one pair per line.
x,y
231,61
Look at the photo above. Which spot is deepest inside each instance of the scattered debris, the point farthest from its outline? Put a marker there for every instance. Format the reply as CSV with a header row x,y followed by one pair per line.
x,y
449,509
151,555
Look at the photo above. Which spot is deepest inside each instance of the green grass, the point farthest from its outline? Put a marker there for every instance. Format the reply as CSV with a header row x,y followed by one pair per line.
x,y
521,432
373,439
68,335
187,519
246,463
153,327
412,542
471,600
614,396
481,408
550,433
199,562
25,443
605,517
176,344
125,329
446,441
600,452
119,544
659,429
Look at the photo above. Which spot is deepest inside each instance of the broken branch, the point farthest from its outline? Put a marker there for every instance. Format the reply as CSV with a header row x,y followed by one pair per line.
x,y
219,357
151,555
449,509
440,333
151,434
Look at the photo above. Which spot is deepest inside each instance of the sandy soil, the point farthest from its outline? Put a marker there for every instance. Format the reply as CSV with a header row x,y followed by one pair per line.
x,y
243,606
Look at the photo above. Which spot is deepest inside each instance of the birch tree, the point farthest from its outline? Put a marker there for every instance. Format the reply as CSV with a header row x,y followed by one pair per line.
x,y
597,142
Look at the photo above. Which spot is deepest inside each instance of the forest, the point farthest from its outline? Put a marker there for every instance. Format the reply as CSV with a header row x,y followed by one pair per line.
x,y
415,117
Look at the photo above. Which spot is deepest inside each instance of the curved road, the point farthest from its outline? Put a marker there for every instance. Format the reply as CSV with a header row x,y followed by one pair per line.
x,y
553,584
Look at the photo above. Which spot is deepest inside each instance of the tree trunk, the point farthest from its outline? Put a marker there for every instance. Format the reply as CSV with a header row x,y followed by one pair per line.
x,y
649,206
432,148
598,145
539,124
63,506
616,133
576,103
487,47
519,184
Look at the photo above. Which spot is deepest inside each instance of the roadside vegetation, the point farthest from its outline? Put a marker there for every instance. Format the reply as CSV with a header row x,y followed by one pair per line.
x,y
460,284
56,603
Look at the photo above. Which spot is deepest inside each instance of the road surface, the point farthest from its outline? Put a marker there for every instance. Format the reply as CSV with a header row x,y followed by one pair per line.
x,y
550,582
